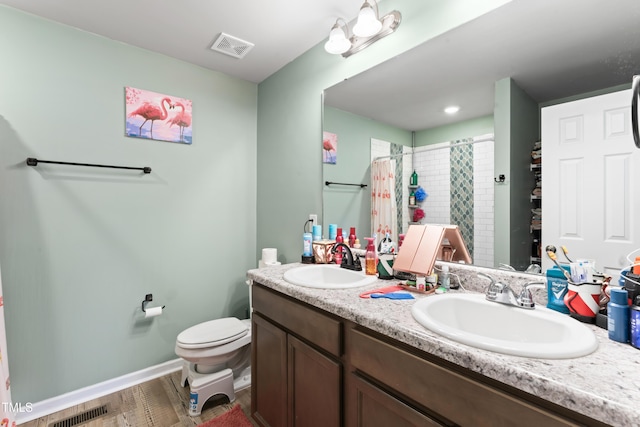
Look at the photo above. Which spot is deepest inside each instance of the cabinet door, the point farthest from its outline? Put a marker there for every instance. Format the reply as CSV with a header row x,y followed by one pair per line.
x,y
315,389
268,373
368,406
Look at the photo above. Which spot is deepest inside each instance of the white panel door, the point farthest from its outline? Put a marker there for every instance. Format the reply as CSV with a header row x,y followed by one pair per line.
x,y
590,176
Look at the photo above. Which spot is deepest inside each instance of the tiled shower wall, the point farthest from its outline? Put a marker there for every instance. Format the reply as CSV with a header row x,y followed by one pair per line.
x,y
483,206
434,168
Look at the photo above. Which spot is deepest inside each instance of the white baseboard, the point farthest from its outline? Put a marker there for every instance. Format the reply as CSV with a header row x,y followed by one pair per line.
x,y
67,400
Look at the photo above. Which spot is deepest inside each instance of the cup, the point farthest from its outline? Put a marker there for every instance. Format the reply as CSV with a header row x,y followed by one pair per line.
x,y
583,300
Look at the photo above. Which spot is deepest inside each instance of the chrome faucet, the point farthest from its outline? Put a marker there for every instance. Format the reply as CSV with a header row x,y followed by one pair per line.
x,y
348,260
503,294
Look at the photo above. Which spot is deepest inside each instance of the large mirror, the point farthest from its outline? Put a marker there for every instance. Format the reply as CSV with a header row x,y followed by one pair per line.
x,y
500,69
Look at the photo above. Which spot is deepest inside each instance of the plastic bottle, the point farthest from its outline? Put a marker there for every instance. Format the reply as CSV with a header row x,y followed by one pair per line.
x,y
634,324
317,232
337,257
618,315
370,257
352,237
412,198
444,277
306,244
332,231
414,178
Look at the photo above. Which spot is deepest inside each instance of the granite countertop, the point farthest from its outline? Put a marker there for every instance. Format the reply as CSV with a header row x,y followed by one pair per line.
x,y
604,385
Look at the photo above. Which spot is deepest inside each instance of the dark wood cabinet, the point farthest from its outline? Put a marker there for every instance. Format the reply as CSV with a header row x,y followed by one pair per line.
x,y
296,366
312,368
370,406
268,373
314,385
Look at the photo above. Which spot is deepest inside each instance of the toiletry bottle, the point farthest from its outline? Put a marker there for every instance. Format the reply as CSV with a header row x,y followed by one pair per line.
x,y
339,239
618,314
634,324
444,277
370,257
317,232
352,236
306,244
332,231
414,178
412,198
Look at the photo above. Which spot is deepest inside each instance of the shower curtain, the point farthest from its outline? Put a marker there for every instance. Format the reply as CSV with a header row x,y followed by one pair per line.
x,y
383,199
7,416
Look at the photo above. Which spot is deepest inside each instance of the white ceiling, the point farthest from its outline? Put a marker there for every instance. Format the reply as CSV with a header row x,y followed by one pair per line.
x,y
280,29
552,49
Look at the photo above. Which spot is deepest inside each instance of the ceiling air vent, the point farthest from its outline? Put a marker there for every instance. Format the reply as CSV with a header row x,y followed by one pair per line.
x,y
231,46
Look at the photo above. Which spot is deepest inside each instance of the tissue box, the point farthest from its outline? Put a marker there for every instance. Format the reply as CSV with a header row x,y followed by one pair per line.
x,y
322,251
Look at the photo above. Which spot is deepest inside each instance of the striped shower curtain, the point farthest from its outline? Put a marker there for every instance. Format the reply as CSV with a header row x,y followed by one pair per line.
x,y
383,199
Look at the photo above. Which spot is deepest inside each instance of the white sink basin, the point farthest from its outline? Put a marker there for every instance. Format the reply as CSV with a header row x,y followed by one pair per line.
x,y
472,320
327,276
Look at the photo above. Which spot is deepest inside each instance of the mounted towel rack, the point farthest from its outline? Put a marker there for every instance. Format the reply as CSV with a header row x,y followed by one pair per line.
x,y
32,161
344,183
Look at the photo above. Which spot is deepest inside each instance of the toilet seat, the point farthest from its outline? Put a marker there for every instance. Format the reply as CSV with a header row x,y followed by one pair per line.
x,y
212,333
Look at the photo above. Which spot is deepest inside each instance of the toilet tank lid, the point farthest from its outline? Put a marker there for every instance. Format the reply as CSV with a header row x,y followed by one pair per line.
x,y
213,332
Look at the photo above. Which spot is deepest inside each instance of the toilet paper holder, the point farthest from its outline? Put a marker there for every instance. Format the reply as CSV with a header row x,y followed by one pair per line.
x,y
147,299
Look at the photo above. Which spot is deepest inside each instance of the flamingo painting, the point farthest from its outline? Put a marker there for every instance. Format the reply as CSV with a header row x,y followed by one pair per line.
x,y
329,147
182,119
151,112
144,106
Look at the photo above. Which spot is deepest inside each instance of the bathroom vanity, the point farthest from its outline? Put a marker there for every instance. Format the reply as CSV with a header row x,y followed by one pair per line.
x,y
329,358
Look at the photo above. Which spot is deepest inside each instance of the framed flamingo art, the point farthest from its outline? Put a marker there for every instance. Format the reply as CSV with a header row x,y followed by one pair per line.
x,y
156,116
329,148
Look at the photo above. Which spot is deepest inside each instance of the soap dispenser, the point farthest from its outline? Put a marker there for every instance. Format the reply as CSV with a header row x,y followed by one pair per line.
x,y
370,257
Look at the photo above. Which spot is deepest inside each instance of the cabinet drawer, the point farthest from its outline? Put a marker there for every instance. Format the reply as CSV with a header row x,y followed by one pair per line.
x,y
372,407
441,390
316,327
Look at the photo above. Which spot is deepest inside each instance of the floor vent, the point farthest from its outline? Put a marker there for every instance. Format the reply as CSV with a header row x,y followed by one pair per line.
x,y
232,46
84,417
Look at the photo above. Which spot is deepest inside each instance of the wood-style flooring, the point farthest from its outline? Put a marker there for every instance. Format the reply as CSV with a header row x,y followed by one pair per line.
x,y
162,402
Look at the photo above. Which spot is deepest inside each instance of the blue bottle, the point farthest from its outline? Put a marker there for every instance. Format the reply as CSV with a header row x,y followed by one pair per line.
x,y
306,245
557,287
618,315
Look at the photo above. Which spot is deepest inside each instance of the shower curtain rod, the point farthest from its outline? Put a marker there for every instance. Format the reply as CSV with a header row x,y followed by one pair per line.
x,y
32,161
483,138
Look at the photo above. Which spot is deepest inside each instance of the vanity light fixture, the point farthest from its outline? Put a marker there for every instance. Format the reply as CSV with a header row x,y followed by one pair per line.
x,y
368,23
368,29
452,109
338,42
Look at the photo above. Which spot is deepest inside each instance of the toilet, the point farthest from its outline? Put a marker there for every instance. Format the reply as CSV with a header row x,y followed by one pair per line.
x,y
217,359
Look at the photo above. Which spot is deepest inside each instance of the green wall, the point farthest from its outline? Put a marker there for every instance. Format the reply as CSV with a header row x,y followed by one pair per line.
x,y
351,206
466,129
289,117
80,247
517,127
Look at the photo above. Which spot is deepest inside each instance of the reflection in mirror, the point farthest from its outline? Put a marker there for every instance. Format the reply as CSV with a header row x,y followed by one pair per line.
x,y
501,69
455,180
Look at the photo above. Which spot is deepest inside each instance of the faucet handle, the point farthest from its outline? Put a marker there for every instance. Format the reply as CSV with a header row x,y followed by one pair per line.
x,y
493,289
526,298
